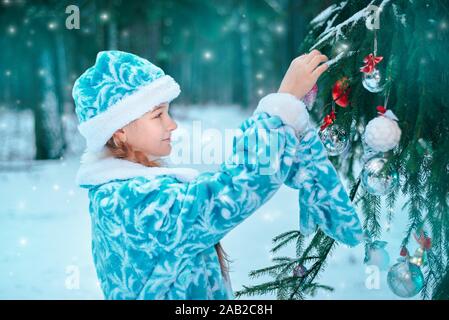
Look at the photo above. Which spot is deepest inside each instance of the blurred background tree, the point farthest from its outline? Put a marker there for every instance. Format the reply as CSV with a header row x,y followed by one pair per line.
x,y
225,52
221,52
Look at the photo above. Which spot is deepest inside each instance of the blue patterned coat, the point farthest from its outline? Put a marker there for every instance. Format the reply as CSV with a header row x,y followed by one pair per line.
x,y
154,229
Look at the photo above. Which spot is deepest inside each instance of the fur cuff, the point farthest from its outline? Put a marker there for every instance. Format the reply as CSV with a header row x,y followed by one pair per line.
x,y
290,109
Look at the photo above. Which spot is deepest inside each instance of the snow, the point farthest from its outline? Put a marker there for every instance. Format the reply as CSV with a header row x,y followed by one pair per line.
x,y
45,238
336,31
383,4
16,128
340,56
401,17
18,134
325,14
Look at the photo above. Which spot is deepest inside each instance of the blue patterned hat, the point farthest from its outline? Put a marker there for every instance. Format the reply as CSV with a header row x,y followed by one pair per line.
x,y
119,88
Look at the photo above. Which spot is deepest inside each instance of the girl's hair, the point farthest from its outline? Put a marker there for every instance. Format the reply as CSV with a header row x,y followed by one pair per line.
x,y
122,150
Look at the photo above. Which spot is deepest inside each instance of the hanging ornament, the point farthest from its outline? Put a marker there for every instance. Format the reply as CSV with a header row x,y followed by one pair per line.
x,y
382,133
376,254
405,278
340,92
420,253
378,180
370,62
373,81
335,139
423,241
328,120
299,271
404,252
310,97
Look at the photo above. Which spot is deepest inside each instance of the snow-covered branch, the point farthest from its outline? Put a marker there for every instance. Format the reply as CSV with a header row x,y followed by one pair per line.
x,y
336,31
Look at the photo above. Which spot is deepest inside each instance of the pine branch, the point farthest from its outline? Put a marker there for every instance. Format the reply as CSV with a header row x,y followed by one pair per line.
x,y
411,36
441,291
336,32
284,239
296,286
371,210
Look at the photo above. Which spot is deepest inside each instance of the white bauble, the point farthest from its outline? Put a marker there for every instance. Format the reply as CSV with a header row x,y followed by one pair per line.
x,y
382,134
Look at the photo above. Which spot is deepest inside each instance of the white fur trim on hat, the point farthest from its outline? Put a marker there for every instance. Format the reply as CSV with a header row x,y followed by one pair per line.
x,y
100,128
290,109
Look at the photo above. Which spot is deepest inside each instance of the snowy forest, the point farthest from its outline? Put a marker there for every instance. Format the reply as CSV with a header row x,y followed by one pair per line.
x,y
221,52
380,111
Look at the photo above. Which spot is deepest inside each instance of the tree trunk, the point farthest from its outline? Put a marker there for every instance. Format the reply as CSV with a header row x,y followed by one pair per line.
x,y
48,127
247,70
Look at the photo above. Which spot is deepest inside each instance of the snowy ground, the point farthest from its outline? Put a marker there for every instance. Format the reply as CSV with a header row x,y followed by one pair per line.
x,y
45,232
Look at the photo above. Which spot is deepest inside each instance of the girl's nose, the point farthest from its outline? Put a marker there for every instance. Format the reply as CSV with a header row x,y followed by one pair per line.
x,y
172,125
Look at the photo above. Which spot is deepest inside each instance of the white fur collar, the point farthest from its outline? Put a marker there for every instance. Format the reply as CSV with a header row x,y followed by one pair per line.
x,y
99,168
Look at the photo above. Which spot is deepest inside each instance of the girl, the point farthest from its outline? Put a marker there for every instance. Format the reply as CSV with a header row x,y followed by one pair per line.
x,y
156,230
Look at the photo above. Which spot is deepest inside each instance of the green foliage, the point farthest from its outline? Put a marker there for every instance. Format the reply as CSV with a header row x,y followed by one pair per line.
x,y
287,284
413,37
227,52
220,52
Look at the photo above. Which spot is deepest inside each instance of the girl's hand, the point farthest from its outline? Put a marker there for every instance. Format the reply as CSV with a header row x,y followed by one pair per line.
x,y
303,73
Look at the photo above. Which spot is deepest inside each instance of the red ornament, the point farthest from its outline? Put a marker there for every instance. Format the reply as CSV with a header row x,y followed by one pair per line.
x,y
381,109
328,120
404,252
424,242
299,271
340,92
370,62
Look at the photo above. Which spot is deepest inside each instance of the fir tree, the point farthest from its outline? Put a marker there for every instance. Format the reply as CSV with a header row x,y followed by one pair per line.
x,y
412,37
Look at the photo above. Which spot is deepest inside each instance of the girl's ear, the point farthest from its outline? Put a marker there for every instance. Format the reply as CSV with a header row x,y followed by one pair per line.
x,y
119,136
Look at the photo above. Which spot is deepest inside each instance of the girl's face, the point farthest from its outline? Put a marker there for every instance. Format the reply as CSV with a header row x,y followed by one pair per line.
x,y
151,133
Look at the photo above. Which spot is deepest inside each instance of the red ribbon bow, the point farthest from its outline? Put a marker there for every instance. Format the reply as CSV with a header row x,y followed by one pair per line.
x,y
328,120
424,242
370,62
381,109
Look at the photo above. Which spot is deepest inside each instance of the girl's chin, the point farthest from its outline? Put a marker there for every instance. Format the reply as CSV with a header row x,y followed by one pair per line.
x,y
163,151
166,150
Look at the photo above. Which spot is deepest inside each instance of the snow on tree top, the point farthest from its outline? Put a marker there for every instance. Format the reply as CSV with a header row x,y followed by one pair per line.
x,y
340,56
325,14
336,31
400,17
